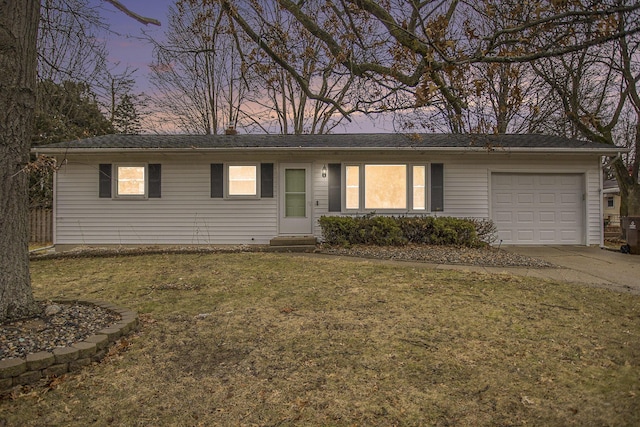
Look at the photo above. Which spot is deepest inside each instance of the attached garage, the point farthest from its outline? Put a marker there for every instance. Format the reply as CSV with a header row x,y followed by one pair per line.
x,y
538,209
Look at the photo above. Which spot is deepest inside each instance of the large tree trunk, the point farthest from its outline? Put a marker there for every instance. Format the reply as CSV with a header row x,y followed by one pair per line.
x,y
18,30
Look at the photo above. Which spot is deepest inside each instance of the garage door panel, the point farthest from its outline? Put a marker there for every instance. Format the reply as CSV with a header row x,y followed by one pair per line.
x,y
525,217
505,235
525,181
549,198
502,181
568,236
504,217
570,180
525,236
568,216
504,199
547,236
538,208
547,217
524,198
547,180
569,198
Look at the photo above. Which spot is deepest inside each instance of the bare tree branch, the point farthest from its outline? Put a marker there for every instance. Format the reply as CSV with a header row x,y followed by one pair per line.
x,y
139,18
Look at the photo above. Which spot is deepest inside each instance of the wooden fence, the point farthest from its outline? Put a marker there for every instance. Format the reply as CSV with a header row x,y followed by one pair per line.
x,y
40,225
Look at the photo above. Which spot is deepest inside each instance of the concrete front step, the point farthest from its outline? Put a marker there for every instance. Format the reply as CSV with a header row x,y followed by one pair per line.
x,y
294,248
293,241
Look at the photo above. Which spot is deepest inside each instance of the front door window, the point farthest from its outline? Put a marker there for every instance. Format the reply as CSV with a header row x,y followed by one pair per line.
x,y
295,193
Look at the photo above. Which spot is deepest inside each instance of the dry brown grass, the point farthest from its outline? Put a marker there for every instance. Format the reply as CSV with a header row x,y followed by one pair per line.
x,y
267,339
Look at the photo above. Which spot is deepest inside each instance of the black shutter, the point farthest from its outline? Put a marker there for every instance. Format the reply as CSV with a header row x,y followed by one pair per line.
x,y
104,187
335,187
155,180
266,180
437,187
217,180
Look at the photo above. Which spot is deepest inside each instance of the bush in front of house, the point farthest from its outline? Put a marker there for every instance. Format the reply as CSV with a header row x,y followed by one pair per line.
x,y
361,230
394,231
486,230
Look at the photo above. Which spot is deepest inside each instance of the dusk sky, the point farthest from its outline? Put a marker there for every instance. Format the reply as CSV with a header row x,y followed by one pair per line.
x,y
127,46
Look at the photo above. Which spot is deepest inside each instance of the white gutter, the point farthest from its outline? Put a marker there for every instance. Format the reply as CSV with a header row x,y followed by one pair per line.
x,y
505,150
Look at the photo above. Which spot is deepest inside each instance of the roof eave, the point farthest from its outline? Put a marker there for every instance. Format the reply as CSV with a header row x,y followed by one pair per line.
x,y
524,150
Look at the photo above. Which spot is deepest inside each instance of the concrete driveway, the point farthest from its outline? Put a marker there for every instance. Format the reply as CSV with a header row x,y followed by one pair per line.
x,y
585,264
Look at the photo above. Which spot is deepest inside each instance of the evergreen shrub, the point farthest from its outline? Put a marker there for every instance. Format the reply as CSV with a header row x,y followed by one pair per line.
x,y
373,229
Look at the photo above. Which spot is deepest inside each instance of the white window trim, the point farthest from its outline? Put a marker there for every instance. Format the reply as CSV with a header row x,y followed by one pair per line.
x,y
409,188
114,182
227,182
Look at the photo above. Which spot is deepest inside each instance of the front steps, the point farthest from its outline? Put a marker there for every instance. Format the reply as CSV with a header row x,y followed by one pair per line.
x,y
292,244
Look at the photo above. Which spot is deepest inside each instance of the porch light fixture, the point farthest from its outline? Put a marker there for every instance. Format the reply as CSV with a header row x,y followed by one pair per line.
x,y
324,171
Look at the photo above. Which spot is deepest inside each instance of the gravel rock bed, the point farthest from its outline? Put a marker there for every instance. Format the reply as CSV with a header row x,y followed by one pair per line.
x,y
59,325
488,257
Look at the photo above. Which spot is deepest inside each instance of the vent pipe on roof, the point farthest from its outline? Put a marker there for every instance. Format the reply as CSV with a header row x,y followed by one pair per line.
x,y
230,131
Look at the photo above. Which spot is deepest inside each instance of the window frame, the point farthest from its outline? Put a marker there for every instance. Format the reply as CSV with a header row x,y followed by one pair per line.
x,y
115,181
409,187
227,181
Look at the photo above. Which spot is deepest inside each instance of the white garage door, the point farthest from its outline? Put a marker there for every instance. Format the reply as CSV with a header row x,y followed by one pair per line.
x,y
538,209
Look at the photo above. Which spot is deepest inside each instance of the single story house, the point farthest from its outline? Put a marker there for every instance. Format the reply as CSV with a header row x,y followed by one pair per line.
x,y
249,189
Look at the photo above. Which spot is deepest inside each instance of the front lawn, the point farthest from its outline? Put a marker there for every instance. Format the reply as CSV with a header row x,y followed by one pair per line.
x,y
270,339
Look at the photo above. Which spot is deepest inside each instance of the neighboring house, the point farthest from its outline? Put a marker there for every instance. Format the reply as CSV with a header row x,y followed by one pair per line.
x,y
611,203
249,189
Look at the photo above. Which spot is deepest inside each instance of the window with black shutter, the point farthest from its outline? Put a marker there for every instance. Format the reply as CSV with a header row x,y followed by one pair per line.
x,y
437,187
266,180
104,179
155,181
217,180
335,187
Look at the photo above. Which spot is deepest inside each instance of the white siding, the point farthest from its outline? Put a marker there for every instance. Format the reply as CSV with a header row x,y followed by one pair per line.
x,y
320,196
466,190
186,214
593,198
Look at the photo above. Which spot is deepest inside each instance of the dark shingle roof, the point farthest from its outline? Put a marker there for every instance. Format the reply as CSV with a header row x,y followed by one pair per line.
x,y
445,142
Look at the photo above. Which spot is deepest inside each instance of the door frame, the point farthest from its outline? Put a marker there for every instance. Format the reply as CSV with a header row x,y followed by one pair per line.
x,y
302,226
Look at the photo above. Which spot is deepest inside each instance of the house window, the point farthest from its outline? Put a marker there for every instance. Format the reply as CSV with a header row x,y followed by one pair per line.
x,y
352,191
610,203
419,188
242,180
130,181
385,187
392,187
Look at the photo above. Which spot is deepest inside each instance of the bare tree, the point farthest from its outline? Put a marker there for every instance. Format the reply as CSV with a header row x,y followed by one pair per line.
x,y
425,46
198,72
70,42
277,99
598,90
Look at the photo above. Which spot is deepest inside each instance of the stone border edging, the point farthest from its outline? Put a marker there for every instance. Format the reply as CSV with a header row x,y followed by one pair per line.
x,y
15,372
